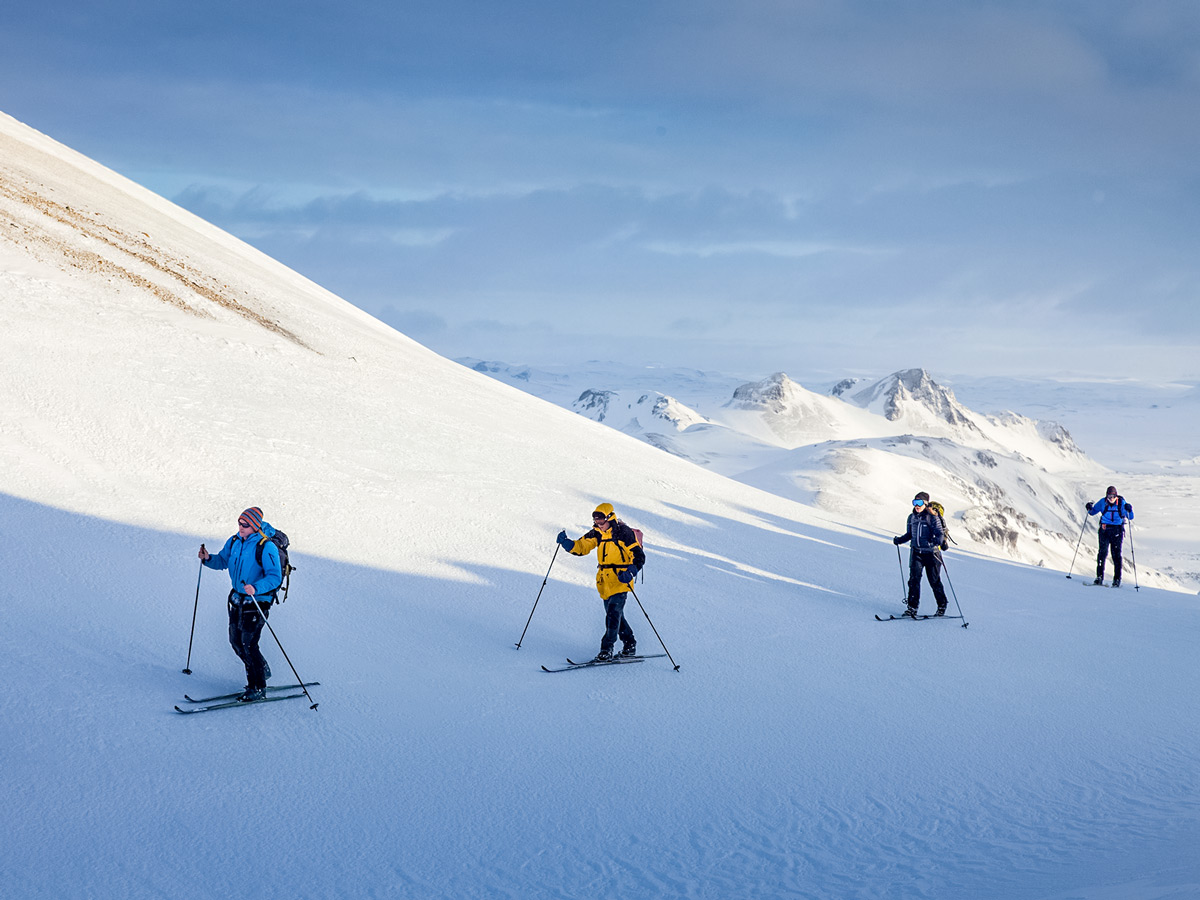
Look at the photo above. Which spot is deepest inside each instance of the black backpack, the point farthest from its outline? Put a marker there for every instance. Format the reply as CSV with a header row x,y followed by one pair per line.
x,y
280,540
938,510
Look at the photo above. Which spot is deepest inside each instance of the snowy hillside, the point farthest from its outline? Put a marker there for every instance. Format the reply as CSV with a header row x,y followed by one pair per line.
x,y
159,376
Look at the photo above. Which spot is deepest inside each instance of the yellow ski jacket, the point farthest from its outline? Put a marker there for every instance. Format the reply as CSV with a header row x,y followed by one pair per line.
x,y
616,549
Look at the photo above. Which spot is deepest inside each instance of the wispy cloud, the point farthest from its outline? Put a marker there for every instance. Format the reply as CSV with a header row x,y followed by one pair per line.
x,y
783,249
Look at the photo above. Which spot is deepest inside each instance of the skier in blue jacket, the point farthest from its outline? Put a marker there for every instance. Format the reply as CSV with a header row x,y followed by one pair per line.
x,y
925,533
254,584
1113,512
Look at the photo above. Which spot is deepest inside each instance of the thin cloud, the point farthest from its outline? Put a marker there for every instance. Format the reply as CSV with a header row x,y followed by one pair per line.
x,y
782,249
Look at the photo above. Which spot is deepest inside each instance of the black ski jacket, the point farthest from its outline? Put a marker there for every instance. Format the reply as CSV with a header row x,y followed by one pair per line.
x,y
924,531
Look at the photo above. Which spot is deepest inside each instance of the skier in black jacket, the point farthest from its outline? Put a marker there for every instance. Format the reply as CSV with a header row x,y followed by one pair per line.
x,y
925,532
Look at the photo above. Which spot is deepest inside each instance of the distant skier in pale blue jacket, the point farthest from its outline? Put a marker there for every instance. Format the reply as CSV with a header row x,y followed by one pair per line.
x,y
1114,512
254,569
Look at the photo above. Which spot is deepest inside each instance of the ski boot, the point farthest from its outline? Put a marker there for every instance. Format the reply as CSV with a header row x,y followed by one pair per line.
x,y
629,648
603,656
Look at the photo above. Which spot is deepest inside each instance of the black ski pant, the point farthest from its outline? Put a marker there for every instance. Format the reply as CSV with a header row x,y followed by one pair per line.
x,y
614,622
929,563
1111,538
245,628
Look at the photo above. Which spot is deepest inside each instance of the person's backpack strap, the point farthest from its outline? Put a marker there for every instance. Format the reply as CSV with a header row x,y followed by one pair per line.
x,y
1119,506
623,533
258,550
940,511
285,571
637,534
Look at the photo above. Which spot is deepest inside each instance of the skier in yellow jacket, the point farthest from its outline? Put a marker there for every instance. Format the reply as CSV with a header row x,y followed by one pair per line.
x,y
619,556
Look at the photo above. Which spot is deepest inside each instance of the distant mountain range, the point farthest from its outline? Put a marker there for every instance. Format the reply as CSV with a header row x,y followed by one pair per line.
x,y
1013,487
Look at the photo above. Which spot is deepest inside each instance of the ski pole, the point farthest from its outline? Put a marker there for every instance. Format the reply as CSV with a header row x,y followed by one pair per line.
x,y
539,595
903,585
187,669
1133,556
655,630
284,652
953,592
1077,543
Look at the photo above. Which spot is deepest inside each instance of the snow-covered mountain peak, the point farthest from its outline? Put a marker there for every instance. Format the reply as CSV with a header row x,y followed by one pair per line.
x,y
670,410
594,404
776,393
1048,435
648,411
913,395
844,386
792,414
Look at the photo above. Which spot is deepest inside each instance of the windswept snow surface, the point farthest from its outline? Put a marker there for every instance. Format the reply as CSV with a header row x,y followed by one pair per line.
x,y
802,750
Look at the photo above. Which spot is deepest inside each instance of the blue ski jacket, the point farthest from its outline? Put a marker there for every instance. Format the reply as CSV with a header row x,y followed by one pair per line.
x,y
1112,513
238,557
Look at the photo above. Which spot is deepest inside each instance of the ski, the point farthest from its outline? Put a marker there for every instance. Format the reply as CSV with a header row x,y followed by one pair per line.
x,y
270,689
920,618
590,664
233,703
616,660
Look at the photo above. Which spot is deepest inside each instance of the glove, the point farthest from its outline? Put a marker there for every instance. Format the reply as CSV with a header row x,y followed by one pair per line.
x,y
627,575
897,541
1128,510
565,542
1088,507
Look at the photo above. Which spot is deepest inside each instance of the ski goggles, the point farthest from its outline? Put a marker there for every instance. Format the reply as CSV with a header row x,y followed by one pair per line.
x,y
918,503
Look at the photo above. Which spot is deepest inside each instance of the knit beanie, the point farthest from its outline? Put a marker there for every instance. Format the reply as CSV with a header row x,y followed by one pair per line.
x,y
922,496
253,515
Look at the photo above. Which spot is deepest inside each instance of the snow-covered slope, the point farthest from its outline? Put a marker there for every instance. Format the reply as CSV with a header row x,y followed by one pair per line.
x,y
158,377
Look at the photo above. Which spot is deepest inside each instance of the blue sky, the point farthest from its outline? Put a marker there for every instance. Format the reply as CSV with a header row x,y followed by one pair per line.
x,y
816,187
